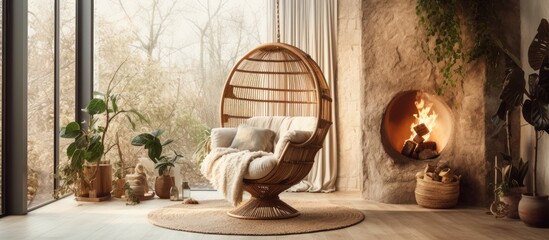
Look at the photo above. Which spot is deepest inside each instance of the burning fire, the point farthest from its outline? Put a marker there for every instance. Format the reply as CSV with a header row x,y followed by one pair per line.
x,y
418,146
424,117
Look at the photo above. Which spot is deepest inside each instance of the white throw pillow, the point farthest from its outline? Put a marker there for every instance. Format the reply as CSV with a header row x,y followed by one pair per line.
x,y
294,136
253,139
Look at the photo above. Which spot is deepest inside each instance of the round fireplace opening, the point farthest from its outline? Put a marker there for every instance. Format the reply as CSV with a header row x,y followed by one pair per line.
x,y
416,125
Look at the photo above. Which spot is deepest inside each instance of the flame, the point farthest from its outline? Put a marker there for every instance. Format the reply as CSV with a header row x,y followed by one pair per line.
x,y
424,117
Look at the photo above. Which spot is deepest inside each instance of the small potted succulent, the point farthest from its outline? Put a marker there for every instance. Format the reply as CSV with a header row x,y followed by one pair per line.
x,y
151,142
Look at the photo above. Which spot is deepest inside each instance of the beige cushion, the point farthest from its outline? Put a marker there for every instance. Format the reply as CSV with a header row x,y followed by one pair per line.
x,y
253,139
260,167
222,137
294,136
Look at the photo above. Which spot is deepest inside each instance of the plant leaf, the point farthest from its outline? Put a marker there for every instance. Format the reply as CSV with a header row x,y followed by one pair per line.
x,y
539,48
513,87
114,105
139,115
155,149
96,106
72,130
95,151
157,132
70,149
536,114
131,122
543,81
77,160
142,139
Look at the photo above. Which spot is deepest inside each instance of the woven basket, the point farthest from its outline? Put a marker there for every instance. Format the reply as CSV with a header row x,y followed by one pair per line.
x,y
433,194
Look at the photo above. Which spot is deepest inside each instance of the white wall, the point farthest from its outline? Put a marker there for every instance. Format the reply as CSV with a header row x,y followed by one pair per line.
x,y
531,13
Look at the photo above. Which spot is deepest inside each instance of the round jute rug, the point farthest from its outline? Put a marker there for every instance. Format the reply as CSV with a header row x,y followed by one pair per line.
x,y
210,217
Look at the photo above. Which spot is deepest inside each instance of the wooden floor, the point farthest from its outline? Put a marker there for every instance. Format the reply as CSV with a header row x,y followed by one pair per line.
x,y
68,219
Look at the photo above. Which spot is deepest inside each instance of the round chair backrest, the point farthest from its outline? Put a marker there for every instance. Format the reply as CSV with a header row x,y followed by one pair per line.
x,y
276,79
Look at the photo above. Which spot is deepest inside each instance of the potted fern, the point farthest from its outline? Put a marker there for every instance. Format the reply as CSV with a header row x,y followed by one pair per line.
x,y
162,163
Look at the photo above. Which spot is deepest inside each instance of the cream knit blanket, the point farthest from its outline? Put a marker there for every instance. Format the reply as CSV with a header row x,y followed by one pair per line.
x,y
226,168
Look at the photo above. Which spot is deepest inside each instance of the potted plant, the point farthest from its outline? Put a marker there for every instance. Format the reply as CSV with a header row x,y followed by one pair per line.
x,y
533,209
163,164
85,174
511,187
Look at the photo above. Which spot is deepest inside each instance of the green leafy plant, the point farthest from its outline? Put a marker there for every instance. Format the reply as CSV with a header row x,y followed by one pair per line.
x,y
444,39
441,22
203,147
151,142
535,109
513,175
89,144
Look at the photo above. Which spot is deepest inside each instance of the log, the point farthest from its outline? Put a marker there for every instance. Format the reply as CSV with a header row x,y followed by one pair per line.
x,y
418,139
426,145
427,154
421,129
408,148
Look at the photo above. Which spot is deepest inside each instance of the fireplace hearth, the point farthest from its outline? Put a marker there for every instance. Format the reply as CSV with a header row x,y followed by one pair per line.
x,y
416,126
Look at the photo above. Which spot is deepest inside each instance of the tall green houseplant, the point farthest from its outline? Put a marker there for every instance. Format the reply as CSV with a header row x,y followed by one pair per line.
x,y
535,110
89,146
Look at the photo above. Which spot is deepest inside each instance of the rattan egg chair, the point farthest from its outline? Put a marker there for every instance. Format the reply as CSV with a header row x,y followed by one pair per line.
x,y
277,79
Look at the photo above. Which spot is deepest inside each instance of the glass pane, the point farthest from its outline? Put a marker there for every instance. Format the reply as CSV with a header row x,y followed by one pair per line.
x,y
40,101
67,11
1,17
179,54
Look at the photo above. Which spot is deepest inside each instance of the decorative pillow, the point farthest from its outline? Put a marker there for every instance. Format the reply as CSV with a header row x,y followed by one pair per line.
x,y
222,137
294,136
253,139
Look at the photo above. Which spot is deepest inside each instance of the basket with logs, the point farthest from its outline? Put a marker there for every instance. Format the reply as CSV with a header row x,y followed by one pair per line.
x,y
437,187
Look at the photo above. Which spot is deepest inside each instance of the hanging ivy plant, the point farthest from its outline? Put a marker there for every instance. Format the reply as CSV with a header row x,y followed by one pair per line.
x,y
441,22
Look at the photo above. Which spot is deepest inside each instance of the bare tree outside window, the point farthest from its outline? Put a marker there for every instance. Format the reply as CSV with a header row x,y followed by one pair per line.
x,y
177,55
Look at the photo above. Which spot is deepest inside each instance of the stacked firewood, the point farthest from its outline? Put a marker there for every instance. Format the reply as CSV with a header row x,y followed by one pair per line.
x,y
439,173
418,148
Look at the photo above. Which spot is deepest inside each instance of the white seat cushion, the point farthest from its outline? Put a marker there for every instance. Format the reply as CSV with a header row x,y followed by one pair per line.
x,y
260,167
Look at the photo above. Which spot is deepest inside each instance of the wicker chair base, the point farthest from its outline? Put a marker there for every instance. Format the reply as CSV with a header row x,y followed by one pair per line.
x,y
264,209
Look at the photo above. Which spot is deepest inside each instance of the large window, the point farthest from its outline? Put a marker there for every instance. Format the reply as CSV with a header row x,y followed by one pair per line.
x,y
40,102
176,55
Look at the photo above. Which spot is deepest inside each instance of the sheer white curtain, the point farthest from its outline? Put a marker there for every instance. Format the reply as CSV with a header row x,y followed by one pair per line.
x,y
311,26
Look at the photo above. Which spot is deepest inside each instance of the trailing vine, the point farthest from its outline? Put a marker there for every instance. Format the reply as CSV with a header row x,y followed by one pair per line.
x,y
444,42
441,22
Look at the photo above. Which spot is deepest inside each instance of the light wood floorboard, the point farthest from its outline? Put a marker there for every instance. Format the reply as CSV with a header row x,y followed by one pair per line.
x,y
68,219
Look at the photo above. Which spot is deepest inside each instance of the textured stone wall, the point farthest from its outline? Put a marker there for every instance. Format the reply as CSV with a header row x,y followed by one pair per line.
x,y
349,100
392,62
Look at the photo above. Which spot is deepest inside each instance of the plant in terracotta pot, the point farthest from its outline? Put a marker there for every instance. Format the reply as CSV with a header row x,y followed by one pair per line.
x,y
86,173
533,208
151,142
511,187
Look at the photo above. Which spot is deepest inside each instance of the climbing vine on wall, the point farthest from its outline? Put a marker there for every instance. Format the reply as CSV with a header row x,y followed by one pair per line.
x,y
442,26
444,43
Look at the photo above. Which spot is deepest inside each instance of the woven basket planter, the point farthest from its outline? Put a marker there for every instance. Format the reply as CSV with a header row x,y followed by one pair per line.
x,y
433,194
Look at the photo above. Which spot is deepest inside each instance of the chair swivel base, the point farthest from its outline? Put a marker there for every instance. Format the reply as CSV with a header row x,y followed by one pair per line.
x,y
264,209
